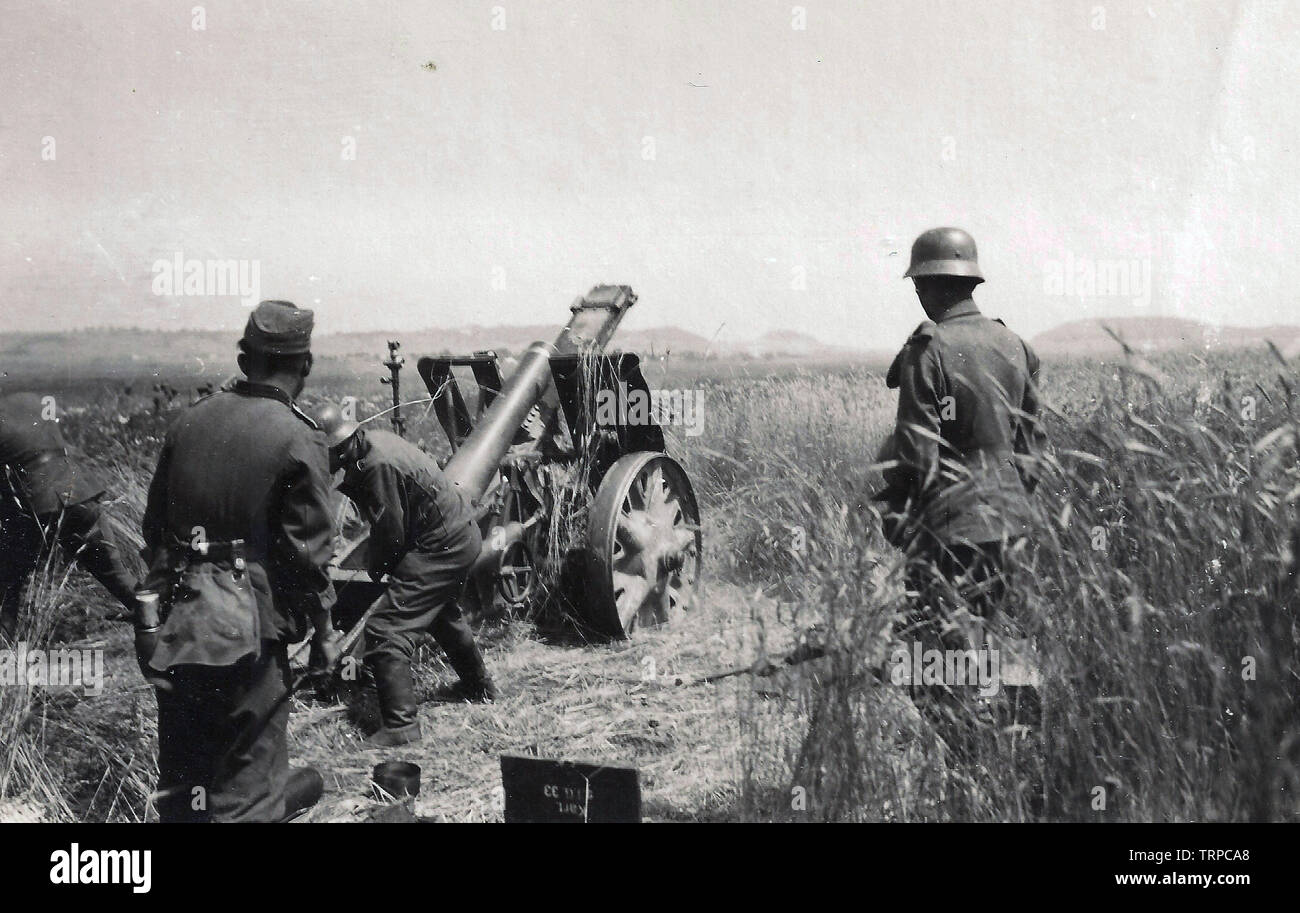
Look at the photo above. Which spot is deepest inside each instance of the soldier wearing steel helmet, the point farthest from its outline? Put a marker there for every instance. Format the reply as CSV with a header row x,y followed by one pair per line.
x,y
424,538
960,458
48,495
239,531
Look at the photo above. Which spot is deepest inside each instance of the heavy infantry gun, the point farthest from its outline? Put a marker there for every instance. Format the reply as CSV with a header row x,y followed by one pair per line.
x,y
577,500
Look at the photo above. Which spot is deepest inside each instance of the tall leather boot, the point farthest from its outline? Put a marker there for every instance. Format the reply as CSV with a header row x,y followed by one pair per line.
x,y
453,634
397,708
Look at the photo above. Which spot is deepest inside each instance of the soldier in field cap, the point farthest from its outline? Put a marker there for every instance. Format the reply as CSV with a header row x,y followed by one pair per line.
x,y
239,530
279,328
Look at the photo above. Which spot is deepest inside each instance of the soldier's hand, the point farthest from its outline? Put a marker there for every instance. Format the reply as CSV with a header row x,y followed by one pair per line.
x,y
324,649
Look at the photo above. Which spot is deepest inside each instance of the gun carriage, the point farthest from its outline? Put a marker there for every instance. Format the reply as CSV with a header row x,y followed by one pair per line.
x,y
575,510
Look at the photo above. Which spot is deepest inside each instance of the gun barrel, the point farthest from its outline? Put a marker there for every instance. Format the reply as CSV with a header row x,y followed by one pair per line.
x,y
595,318
472,467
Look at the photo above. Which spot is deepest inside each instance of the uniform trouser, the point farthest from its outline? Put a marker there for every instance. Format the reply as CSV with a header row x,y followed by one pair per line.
x,y
423,597
21,545
948,580
81,530
207,711
423,594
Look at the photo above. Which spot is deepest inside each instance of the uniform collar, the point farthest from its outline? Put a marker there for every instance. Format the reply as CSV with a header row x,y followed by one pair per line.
x,y
960,309
269,391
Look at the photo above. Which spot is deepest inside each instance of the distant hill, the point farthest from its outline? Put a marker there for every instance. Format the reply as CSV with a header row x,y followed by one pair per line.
x,y
1157,334
788,343
115,351
474,338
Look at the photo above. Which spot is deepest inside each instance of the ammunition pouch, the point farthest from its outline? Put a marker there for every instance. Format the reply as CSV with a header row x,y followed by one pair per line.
x,y
210,610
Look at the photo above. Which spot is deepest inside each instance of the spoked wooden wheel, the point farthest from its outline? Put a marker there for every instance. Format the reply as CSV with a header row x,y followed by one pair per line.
x,y
643,545
516,574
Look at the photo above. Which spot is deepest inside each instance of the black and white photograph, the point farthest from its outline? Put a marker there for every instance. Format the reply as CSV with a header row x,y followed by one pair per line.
x,y
680,411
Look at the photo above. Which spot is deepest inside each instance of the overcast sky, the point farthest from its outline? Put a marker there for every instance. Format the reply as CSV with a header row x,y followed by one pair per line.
x,y
731,166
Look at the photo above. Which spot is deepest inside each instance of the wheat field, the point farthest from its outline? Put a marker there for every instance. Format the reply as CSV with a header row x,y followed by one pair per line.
x,y
1157,589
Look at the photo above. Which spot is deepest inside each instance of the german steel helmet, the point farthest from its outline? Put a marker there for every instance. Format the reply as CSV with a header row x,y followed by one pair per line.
x,y
944,252
330,419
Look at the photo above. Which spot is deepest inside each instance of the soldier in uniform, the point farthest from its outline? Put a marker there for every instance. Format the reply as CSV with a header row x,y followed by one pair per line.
x,y
423,536
239,530
957,492
47,496
961,470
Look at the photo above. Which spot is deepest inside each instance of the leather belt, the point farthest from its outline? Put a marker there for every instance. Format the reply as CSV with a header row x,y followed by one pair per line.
x,y
232,552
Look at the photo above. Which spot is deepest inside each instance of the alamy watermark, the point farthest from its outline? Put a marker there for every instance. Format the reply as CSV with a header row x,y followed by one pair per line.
x,y
208,278
913,664
126,867
1087,277
635,406
65,667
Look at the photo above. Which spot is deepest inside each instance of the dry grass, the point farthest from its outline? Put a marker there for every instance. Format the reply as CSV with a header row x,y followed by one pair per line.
x,y
1169,654
639,703
1143,642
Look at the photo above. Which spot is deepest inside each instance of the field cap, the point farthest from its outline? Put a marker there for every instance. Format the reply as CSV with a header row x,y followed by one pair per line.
x,y
279,328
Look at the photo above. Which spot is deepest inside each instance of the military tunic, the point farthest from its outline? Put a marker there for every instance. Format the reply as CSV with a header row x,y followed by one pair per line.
x,y
964,448
408,501
239,515
967,428
33,447
422,534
